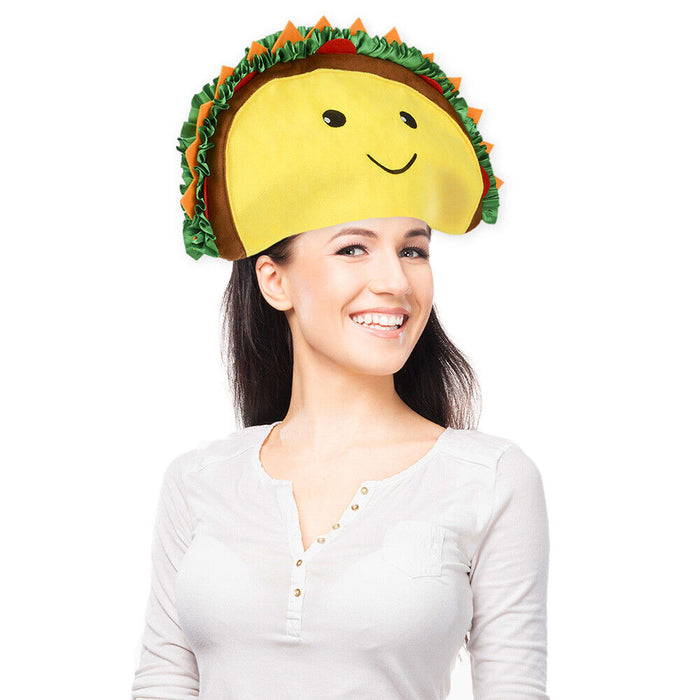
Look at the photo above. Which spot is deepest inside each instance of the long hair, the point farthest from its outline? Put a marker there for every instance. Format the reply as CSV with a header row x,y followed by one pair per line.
x,y
436,381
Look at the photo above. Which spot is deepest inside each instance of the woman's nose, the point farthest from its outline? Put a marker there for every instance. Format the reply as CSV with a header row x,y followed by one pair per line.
x,y
389,276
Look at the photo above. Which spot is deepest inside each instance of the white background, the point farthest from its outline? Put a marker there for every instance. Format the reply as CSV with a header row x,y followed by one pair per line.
x,y
578,311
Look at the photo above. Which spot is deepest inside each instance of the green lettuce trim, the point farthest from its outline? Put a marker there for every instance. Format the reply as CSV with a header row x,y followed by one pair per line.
x,y
198,234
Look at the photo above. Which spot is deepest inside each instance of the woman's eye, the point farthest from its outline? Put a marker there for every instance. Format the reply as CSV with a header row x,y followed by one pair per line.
x,y
420,253
351,247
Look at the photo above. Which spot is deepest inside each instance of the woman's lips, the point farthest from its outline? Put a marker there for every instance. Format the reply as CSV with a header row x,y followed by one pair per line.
x,y
388,333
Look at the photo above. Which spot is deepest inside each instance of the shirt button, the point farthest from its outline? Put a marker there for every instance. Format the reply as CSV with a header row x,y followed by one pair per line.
x,y
364,489
297,592
299,562
321,539
336,526
354,506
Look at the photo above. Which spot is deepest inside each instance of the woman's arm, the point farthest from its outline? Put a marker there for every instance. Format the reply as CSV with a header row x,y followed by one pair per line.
x,y
167,669
508,639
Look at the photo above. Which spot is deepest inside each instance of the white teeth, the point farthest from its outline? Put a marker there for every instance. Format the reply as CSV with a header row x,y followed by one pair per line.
x,y
379,320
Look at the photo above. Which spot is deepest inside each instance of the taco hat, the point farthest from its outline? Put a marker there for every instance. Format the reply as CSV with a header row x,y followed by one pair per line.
x,y
318,126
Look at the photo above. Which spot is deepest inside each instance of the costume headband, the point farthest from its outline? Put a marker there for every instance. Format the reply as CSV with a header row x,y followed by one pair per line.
x,y
318,126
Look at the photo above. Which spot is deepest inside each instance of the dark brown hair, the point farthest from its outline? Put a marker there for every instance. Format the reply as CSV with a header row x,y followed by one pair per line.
x,y
436,381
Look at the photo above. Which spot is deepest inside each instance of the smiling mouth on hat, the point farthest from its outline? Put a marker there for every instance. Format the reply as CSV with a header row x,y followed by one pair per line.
x,y
400,170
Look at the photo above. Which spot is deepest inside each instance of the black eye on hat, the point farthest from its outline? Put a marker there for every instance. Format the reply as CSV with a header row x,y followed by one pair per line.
x,y
334,118
408,119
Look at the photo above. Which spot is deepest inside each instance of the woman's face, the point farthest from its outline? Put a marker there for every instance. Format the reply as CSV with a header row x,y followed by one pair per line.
x,y
374,267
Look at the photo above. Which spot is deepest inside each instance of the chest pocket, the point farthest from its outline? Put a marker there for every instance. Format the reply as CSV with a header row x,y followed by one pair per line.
x,y
415,547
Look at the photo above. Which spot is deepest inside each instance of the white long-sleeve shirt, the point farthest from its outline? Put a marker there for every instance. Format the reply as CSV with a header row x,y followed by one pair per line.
x,y
457,544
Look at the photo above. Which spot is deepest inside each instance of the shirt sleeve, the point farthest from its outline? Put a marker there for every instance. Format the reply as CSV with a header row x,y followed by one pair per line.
x,y
507,642
167,668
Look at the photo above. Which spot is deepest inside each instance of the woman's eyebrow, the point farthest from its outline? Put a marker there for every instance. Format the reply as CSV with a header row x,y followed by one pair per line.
x,y
367,233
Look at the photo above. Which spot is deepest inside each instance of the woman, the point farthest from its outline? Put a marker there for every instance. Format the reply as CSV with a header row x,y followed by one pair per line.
x,y
358,530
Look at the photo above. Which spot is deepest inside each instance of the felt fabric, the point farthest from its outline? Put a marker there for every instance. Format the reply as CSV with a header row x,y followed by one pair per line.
x,y
320,126
277,168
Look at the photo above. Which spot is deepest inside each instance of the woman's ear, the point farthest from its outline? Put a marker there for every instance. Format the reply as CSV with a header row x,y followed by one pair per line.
x,y
272,285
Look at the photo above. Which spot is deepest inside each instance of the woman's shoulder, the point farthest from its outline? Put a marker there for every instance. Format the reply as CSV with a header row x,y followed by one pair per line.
x,y
211,450
491,451
500,464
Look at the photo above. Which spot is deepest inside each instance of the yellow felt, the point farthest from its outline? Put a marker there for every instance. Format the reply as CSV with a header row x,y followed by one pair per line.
x,y
287,171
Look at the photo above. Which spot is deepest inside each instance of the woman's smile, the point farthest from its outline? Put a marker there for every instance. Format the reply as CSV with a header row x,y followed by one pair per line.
x,y
381,325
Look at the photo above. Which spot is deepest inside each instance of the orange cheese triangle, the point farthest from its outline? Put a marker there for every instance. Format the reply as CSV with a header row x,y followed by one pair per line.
x,y
289,33
255,49
187,200
225,72
323,22
357,26
191,156
475,114
393,35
